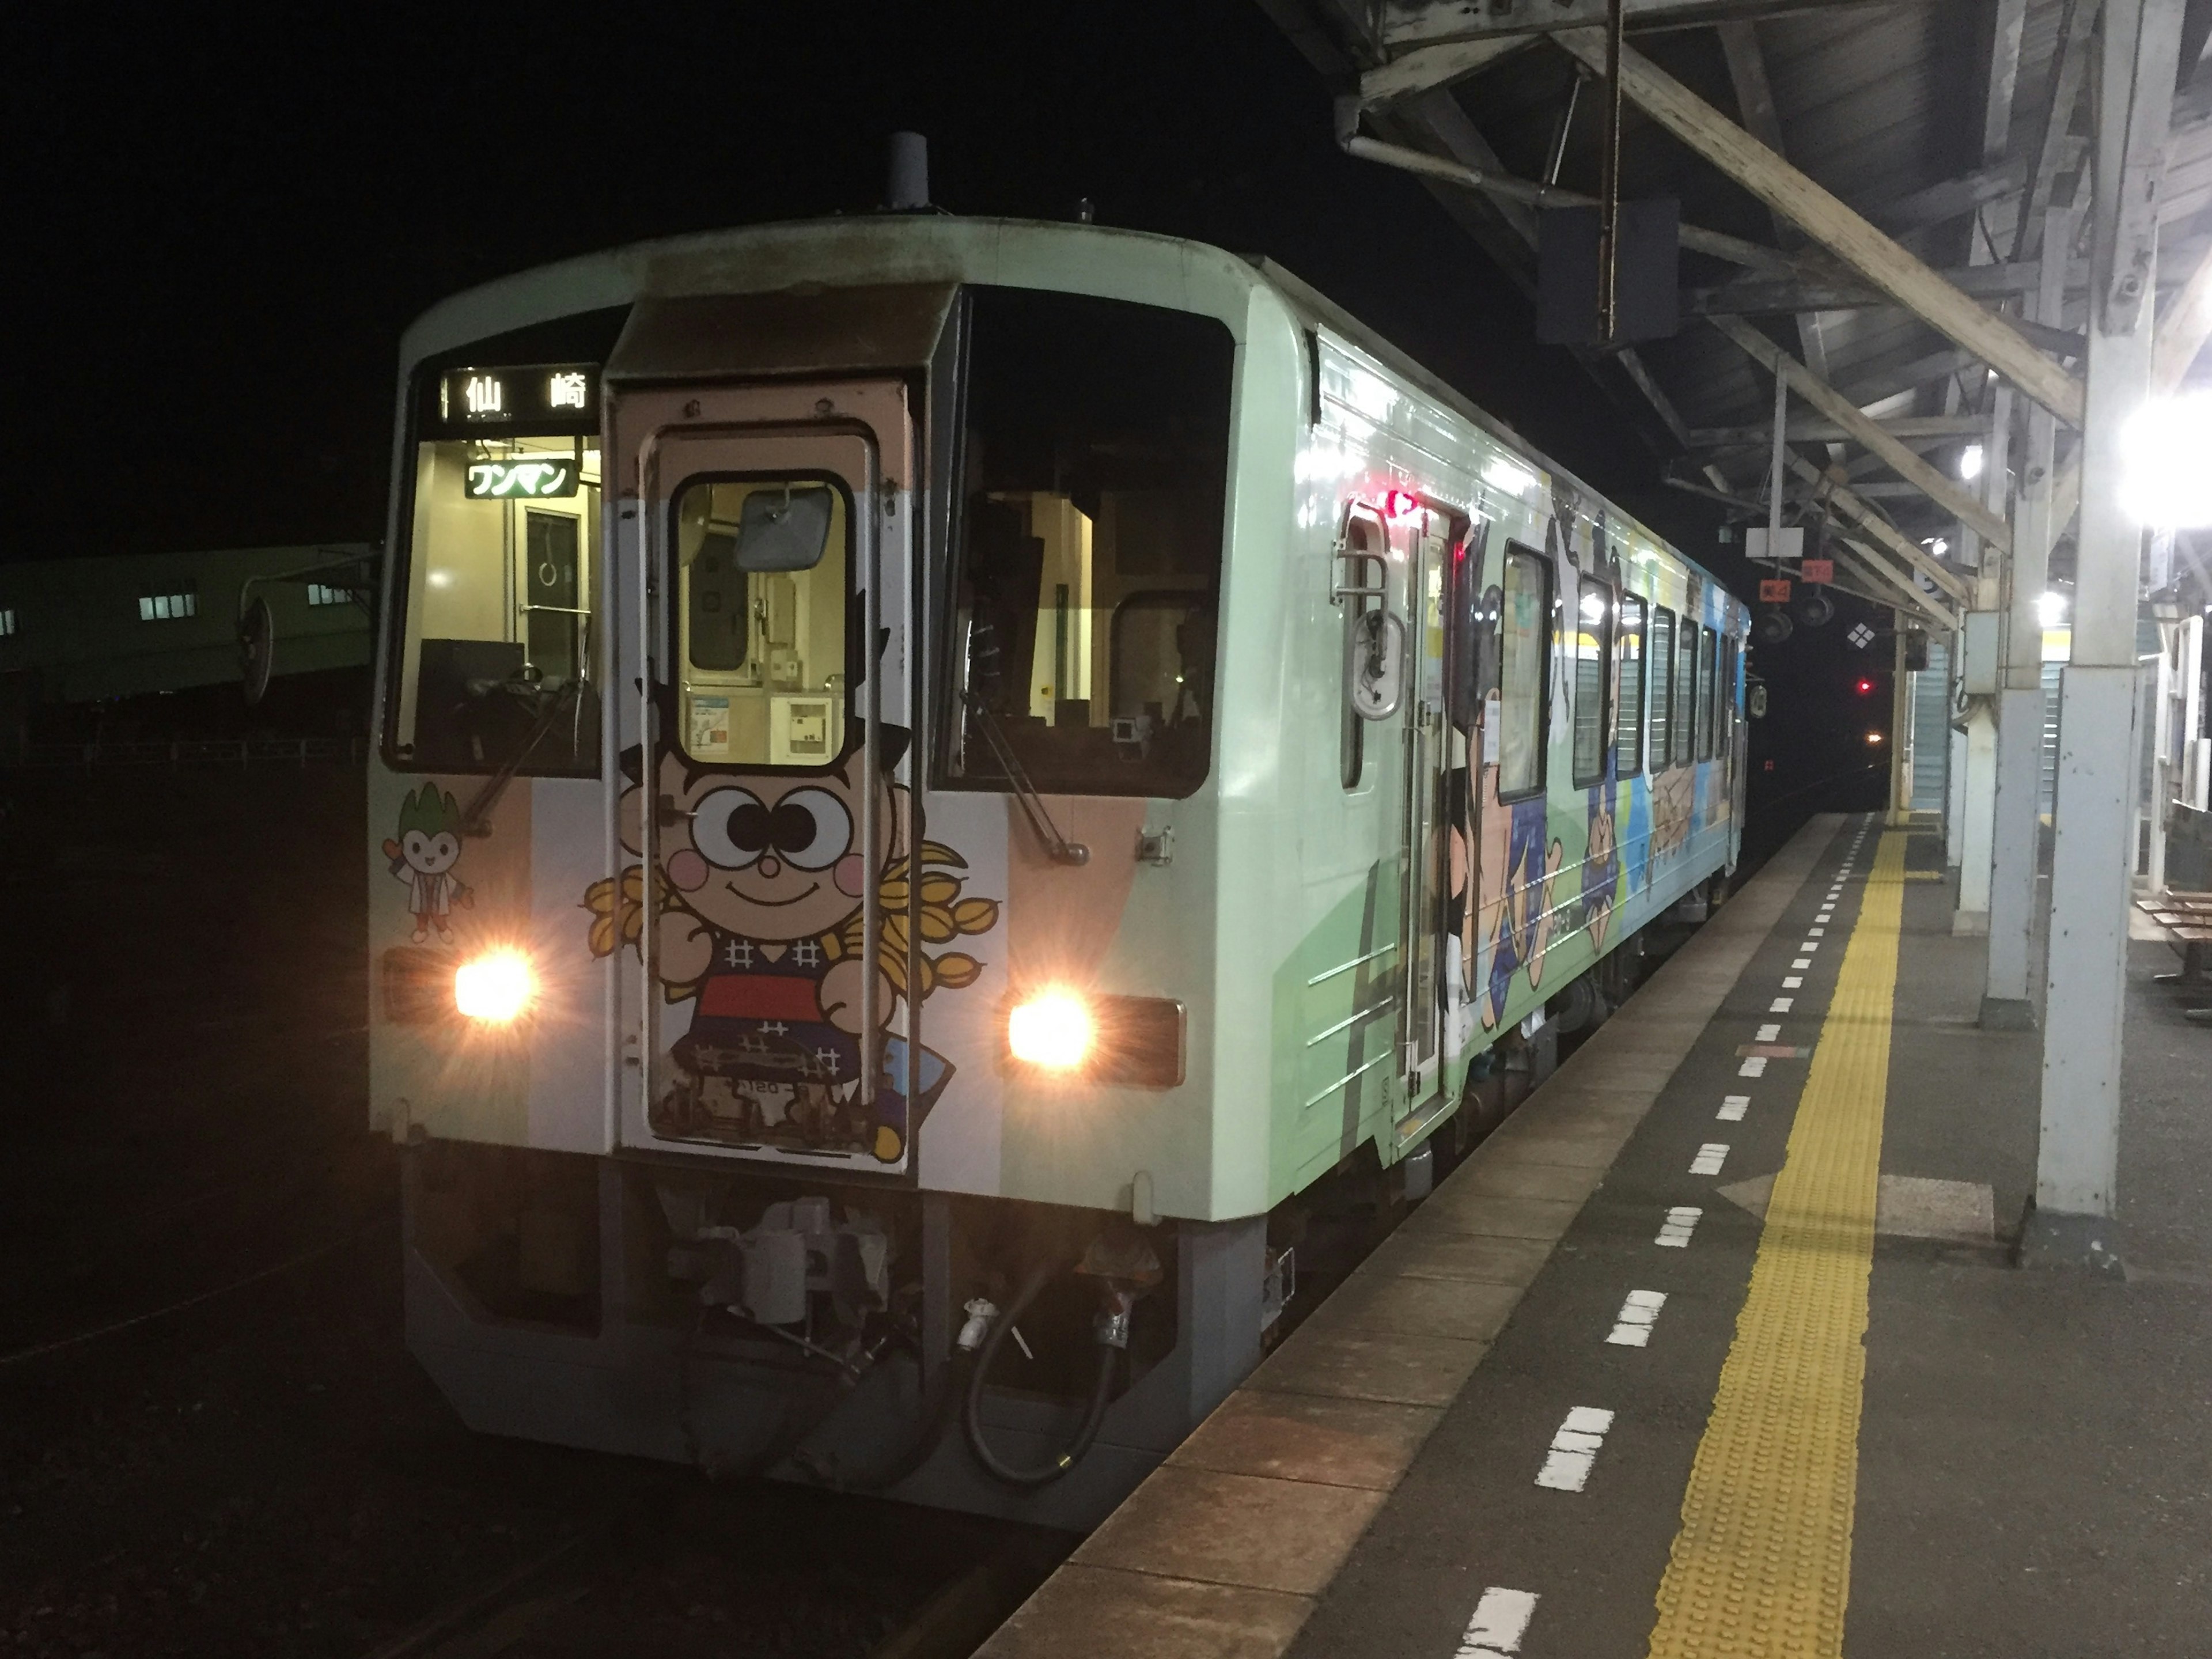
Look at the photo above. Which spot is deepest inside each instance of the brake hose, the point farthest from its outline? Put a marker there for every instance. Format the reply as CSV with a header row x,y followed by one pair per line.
x,y
971,1417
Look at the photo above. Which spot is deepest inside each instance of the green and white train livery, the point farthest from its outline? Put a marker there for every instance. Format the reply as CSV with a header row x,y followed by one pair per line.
x,y
934,770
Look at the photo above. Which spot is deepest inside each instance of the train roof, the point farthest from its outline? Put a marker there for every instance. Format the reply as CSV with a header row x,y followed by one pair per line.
x,y
883,248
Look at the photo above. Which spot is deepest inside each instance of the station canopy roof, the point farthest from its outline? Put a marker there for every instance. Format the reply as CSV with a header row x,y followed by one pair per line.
x,y
1947,126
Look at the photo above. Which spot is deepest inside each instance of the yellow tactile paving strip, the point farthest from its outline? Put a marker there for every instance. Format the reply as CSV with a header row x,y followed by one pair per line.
x,y
1762,1564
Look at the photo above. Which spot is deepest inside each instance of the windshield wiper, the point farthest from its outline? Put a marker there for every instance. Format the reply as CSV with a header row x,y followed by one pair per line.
x,y
475,818
1057,847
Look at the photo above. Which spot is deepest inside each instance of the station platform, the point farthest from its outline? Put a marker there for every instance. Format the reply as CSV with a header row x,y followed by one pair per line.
x,y
1716,1347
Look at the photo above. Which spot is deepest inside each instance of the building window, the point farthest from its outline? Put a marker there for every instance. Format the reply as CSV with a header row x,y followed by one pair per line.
x,y
169,607
7,621
319,594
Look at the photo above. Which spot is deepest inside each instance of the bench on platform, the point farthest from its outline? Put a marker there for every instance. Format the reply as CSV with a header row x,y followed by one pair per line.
x,y
2187,919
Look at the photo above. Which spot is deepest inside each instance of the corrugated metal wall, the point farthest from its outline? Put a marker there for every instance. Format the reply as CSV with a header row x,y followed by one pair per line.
x,y
1931,729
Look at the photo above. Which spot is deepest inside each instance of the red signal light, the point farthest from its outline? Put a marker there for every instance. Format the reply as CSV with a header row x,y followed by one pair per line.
x,y
1866,688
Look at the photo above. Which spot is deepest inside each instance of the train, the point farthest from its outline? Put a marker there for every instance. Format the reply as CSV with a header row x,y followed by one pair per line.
x,y
937,784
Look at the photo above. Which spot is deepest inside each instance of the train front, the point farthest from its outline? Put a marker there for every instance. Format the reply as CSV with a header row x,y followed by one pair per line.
x,y
791,880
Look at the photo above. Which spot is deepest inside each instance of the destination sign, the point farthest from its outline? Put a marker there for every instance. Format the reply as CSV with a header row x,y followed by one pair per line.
x,y
536,477
524,396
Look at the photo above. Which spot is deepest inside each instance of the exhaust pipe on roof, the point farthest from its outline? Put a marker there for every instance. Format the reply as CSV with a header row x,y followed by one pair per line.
x,y
907,188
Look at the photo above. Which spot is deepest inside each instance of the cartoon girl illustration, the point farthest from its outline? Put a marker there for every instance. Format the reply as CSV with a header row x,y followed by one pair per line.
x,y
759,890
424,854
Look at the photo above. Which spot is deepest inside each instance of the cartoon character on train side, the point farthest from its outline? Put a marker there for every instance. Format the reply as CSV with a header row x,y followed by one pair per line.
x,y
759,926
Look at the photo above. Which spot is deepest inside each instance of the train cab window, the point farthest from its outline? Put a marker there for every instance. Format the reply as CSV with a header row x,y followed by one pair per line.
x,y
1523,656
1663,688
1592,658
1685,693
1628,724
1094,439
495,648
762,587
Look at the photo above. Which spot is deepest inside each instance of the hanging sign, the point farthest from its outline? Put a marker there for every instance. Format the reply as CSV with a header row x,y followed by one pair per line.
x,y
1818,570
1774,593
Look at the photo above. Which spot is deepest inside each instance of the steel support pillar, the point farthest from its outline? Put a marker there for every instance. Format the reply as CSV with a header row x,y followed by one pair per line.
x,y
2015,849
1977,821
2072,1220
1994,565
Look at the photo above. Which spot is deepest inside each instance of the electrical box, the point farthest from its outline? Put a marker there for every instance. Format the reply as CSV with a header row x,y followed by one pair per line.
x,y
1789,546
804,731
1981,655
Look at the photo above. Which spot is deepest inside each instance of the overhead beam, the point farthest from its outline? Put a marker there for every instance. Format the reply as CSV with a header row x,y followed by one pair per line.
x,y
1864,431
1754,97
1431,67
1508,187
2070,63
1408,23
1752,295
1894,270
1885,534
1807,429
1871,569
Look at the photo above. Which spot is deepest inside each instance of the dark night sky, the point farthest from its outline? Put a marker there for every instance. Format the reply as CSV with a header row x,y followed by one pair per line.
x,y
231,216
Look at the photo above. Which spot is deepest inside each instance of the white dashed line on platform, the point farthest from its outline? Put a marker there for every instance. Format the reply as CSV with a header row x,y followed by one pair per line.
x,y
1772,1033
1754,1065
1817,933
1710,1157
1681,1221
1791,983
1631,1328
1574,1449
1500,1620
1733,1107
1808,947
1780,1005
1802,962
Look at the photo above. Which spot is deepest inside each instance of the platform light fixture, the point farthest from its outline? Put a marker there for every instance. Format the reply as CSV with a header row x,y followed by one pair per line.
x,y
1969,463
2051,609
2164,480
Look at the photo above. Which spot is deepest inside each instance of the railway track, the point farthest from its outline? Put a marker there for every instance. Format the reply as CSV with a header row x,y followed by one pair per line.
x,y
595,1574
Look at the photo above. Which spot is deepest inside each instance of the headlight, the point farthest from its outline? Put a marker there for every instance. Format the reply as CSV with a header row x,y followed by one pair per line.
x,y
498,988
1126,1041
1053,1030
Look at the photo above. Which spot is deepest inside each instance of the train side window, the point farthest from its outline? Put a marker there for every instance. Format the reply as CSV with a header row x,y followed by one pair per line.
x,y
1470,649
1685,693
1710,736
1628,724
1663,688
1592,658
1523,660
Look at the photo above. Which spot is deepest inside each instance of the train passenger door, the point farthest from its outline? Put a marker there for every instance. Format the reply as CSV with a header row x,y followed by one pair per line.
x,y
1421,946
765,803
